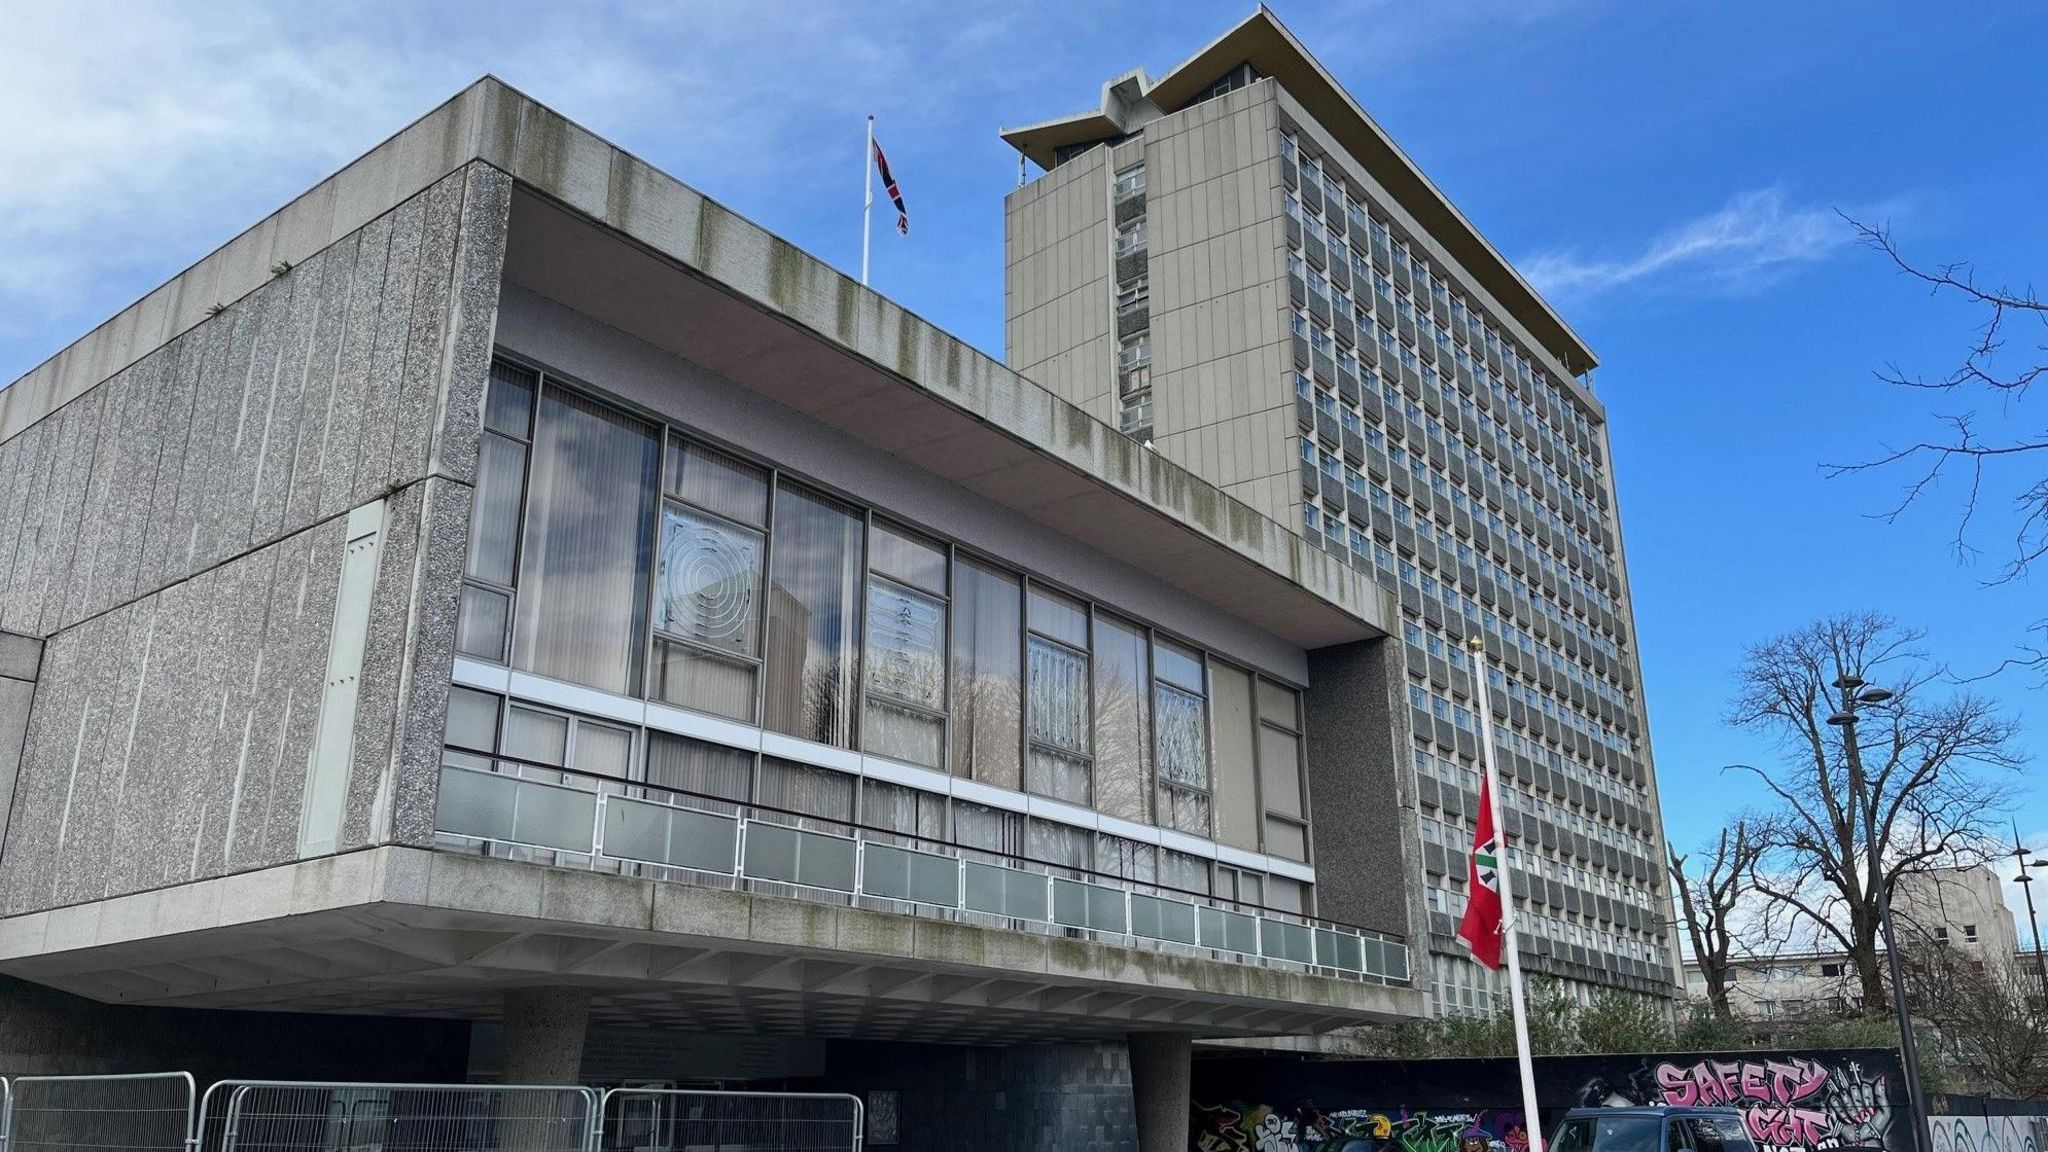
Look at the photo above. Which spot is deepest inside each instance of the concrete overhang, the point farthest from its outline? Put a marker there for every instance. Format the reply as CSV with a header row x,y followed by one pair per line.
x,y
1262,41
600,231
408,932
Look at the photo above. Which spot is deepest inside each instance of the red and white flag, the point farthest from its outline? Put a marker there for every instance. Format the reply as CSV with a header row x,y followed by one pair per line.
x,y
1481,927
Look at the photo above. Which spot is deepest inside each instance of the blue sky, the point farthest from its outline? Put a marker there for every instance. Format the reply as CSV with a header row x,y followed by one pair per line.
x,y
1669,172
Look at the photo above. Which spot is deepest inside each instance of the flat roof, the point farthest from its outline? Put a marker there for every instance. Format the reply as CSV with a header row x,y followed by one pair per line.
x,y
1262,41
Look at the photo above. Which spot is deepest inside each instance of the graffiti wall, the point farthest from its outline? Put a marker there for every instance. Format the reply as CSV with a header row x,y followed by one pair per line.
x,y
1790,1101
1979,1124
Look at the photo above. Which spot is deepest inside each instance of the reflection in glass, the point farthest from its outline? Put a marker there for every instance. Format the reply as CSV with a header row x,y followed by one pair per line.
x,y
1123,746
906,668
1060,743
813,618
589,545
987,661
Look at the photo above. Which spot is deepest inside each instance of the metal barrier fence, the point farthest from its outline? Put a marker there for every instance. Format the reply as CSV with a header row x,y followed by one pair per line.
x,y
282,1116
146,1112
679,1120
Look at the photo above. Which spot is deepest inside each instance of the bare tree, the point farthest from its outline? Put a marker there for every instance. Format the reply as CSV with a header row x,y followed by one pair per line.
x,y
1917,783
1709,899
1998,453
1986,1013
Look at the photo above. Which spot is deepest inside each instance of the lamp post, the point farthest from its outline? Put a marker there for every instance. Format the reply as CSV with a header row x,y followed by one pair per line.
x,y
2020,852
1855,693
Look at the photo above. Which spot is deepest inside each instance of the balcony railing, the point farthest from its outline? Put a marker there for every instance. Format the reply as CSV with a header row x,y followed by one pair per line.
x,y
565,817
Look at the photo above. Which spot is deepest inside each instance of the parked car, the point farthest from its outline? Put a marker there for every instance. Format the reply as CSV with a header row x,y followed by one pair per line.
x,y
1651,1129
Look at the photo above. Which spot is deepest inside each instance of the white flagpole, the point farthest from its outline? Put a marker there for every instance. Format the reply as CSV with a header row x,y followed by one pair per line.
x,y
867,207
1507,903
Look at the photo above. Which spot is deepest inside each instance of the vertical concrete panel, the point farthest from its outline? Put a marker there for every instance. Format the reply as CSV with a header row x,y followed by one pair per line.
x,y
1357,737
118,639
414,407
174,432
82,425
27,868
312,622
14,477
373,760
345,421
138,842
226,402
444,538
134,483
393,328
259,399
472,321
212,408
204,680
235,737
279,450
270,700
302,505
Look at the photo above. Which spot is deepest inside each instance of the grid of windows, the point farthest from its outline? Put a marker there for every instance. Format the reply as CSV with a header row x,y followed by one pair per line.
x,y
1133,306
1447,462
607,545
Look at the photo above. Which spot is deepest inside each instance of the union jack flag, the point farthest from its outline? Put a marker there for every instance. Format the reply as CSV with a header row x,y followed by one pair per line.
x,y
895,195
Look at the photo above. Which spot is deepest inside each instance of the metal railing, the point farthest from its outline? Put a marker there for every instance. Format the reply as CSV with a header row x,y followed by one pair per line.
x,y
302,1116
682,1120
566,816
139,1112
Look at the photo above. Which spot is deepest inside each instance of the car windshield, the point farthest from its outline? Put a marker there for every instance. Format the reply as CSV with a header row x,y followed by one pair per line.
x,y
1718,1134
1626,1134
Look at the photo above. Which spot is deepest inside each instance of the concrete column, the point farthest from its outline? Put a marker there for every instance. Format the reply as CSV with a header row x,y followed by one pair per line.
x,y
1162,1070
544,1035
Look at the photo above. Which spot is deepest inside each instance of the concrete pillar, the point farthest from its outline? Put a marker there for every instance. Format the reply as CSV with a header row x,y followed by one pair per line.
x,y
1162,1070
544,1035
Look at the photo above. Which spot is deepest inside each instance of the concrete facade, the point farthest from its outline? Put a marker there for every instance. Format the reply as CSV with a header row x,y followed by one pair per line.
x,y
1329,340
233,680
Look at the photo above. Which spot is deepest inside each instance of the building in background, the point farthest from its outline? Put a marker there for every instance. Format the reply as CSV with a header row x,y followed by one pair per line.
x,y
1236,267
514,603
1961,908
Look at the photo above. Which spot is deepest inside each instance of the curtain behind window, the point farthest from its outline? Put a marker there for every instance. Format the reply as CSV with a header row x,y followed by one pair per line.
x,y
589,542
813,617
988,659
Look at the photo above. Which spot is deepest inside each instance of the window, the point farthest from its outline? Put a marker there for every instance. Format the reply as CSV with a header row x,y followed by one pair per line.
x,y
987,687
589,544
1179,707
1131,238
1969,933
1060,761
1123,746
1135,294
1130,182
813,617
484,620
1280,772
1830,969
904,717
707,583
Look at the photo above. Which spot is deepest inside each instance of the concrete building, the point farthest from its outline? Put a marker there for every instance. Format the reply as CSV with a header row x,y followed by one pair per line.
x,y
1235,266
1961,908
513,603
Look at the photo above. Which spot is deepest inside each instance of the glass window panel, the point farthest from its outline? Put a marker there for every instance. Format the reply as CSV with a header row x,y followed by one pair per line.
x,y
541,737
1286,895
603,749
472,719
1123,745
480,622
1127,859
1236,780
562,818
1183,743
987,664
988,829
494,520
901,556
891,730
708,584
589,545
807,790
1058,844
895,808
1059,697
1177,665
694,679
700,769
1184,811
719,483
508,403
906,645
1276,705
1060,617
1286,839
813,618
1183,872
479,804
1280,770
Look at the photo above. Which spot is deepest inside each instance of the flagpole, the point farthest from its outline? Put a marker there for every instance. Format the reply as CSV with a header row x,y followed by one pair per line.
x,y
1523,1057
867,207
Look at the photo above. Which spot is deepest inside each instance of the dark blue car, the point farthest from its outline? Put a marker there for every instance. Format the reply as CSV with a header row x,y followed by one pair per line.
x,y
1651,1129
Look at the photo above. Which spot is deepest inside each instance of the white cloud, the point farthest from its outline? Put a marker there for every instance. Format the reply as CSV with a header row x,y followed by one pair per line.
x,y
1748,243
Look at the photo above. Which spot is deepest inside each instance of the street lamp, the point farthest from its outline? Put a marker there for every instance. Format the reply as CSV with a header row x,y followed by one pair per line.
x,y
1856,694
2020,852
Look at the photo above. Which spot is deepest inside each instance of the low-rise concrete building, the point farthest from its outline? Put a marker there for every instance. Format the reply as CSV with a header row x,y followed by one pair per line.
x,y
506,586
